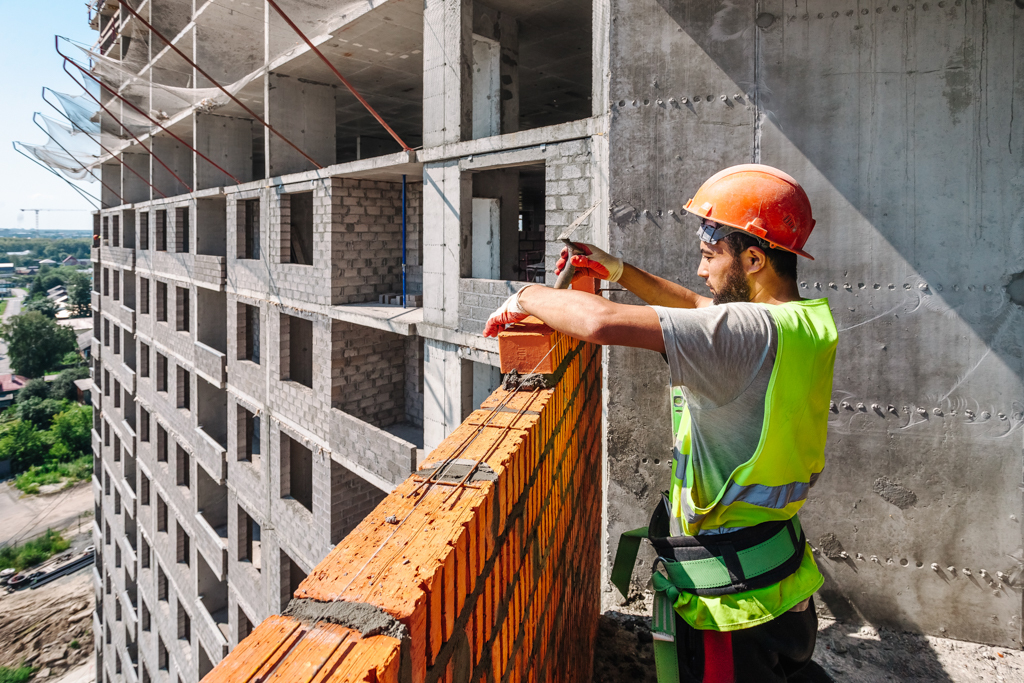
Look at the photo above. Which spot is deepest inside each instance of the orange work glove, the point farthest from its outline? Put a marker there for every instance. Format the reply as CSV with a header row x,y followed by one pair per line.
x,y
594,263
509,312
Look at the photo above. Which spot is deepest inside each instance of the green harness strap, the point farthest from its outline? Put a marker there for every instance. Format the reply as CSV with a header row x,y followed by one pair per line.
x,y
663,631
625,558
663,620
691,575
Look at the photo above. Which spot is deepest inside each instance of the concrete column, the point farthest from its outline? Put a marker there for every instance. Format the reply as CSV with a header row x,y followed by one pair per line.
x,y
304,113
502,185
227,141
495,71
448,383
447,60
486,238
447,203
486,87
179,158
133,188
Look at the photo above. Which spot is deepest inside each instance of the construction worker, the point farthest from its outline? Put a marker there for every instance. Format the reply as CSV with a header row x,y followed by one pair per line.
x,y
751,370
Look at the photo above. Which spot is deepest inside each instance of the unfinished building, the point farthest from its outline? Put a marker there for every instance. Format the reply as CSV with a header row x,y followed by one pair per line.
x,y
289,296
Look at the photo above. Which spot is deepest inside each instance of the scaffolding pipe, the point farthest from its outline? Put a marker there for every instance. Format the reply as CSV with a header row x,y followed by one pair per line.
x,y
337,73
111,115
85,195
112,154
148,117
404,302
207,76
84,167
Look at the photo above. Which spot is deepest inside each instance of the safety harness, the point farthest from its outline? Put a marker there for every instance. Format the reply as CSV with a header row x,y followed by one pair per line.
x,y
711,564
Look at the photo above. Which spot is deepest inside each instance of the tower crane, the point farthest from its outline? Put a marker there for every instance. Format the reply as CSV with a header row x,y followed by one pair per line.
x,y
38,210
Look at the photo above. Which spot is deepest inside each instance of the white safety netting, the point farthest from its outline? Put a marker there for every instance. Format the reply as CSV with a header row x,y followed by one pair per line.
x,y
162,91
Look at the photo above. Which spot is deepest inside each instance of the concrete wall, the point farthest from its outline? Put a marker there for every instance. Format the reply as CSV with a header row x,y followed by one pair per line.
x,y
899,121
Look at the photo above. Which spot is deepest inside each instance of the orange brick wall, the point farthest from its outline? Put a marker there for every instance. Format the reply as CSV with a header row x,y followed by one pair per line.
x,y
492,580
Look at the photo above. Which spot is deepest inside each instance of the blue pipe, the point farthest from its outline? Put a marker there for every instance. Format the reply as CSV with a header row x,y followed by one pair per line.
x,y
403,243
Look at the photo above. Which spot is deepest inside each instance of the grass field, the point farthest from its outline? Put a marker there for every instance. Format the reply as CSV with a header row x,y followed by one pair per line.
x,y
19,675
33,552
71,473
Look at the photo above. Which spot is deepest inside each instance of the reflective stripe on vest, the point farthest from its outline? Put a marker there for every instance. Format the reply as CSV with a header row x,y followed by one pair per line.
x,y
773,484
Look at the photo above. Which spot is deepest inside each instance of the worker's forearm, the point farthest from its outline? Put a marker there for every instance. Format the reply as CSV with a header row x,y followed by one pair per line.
x,y
593,318
658,291
564,310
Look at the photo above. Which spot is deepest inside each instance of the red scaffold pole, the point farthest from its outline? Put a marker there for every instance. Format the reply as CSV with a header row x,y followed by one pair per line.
x,y
135,137
207,76
148,117
341,78
112,154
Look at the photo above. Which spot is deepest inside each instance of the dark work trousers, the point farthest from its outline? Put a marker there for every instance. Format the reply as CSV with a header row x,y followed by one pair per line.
x,y
775,652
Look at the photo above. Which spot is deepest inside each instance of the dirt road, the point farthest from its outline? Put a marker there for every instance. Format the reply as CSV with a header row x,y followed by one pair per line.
x,y
24,518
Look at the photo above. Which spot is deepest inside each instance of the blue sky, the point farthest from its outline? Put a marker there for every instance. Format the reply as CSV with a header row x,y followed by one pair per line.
x,y
29,62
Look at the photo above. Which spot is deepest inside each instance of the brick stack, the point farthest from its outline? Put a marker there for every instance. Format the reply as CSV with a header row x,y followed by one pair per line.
x,y
490,574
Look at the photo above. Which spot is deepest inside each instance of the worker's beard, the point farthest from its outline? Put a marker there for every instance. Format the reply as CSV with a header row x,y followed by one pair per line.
x,y
736,287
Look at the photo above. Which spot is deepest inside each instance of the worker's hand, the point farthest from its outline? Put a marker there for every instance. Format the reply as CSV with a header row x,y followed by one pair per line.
x,y
594,263
509,312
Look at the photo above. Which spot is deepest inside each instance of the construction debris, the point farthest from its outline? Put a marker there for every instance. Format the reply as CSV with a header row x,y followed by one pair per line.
x,y
49,628
848,653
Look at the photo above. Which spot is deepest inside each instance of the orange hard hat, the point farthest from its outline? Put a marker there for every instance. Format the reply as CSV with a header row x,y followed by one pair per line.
x,y
760,200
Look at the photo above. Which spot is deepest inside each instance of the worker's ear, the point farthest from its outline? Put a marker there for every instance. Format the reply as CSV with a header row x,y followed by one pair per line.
x,y
753,260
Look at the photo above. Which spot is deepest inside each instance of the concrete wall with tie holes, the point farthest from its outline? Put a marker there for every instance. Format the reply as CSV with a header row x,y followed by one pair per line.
x,y
903,123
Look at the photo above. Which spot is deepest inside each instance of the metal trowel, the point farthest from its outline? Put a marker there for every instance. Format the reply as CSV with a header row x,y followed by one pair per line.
x,y
565,277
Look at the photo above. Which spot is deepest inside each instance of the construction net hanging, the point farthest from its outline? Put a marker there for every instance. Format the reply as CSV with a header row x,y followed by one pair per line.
x,y
131,63
72,149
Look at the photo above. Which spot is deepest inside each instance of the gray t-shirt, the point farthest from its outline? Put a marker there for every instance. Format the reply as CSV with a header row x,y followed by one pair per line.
x,y
722,357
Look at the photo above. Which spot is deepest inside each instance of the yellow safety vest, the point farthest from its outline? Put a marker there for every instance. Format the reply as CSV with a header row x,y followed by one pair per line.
x,y
773,484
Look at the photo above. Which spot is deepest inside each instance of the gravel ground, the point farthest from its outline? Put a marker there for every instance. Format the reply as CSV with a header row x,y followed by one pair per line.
x,y
849,653
50,627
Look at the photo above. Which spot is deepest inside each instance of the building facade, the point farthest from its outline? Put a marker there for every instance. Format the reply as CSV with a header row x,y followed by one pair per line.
x,y
259,385
255,397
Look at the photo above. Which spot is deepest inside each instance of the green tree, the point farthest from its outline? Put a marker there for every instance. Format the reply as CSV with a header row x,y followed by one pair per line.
x,y
43,305
46,278
40,411
34,388
35,343
64,386
24,445
71,433
79,294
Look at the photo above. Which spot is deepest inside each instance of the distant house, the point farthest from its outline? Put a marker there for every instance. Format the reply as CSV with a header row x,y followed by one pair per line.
x,y
47,262
71,261
10,385
6,269
25,270
27,252
84,393
85,343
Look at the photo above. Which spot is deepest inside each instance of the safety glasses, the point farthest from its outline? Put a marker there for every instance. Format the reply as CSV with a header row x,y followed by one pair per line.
x,y
711,232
